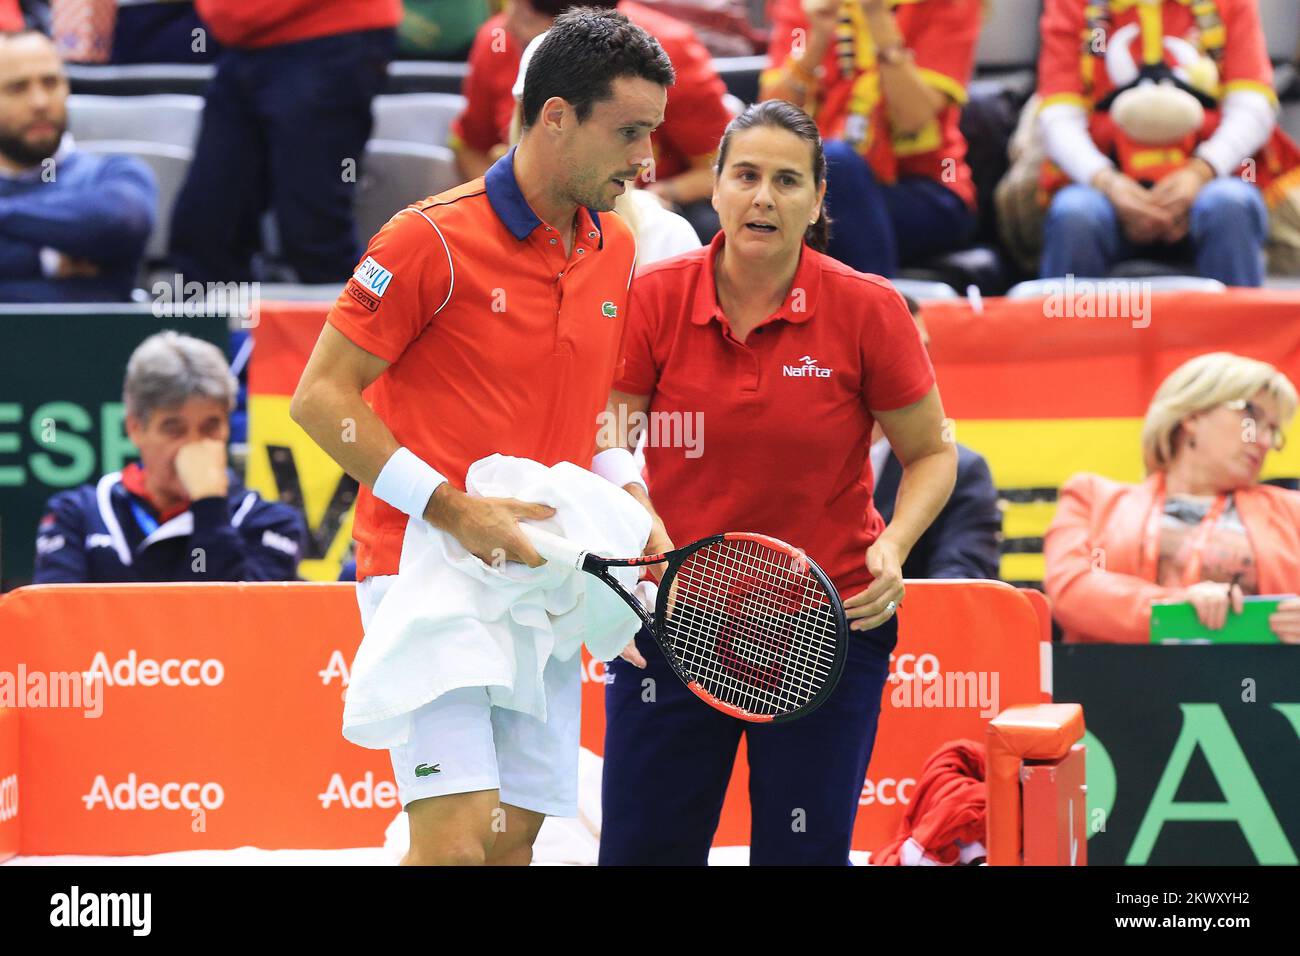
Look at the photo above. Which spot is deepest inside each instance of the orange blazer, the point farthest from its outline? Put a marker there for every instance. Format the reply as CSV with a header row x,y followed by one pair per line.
x,y
1093,552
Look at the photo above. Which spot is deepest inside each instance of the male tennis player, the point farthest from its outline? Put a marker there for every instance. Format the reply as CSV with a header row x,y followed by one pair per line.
x,y
489,319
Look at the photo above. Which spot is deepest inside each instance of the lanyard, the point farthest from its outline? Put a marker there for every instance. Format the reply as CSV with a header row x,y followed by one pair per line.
x,y
1151,544
147,522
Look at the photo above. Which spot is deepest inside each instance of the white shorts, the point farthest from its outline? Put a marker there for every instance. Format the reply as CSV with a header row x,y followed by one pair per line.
x,y
460,743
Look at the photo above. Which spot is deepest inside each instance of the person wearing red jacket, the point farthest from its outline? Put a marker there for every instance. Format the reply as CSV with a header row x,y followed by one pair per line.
x,y
287,111
684,146
885,80
1200,528
1112,199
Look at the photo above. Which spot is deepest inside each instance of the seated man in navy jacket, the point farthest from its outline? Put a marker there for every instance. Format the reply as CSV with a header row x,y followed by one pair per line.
x,y
963,541
181,514
73,225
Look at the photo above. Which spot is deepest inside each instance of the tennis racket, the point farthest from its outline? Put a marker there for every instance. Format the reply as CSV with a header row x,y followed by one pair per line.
x,y
749,623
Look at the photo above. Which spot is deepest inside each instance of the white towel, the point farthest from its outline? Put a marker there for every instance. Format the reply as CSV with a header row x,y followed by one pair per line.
x,y
450,621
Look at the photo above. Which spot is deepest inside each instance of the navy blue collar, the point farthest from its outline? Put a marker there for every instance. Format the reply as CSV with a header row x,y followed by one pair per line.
x,y
509,204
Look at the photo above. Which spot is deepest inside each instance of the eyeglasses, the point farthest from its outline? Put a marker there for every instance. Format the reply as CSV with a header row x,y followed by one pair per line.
x,y
1251,412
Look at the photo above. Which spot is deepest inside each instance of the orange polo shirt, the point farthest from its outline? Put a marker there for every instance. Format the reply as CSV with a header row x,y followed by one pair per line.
x,y
498,342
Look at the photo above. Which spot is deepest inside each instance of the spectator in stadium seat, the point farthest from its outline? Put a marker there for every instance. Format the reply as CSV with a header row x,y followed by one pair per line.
x,y
1209,205
964,540
181,514
684,145
1198,523
886,88
73,225
285,124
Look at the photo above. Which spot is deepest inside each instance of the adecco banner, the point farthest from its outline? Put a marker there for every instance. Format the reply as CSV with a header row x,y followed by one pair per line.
x,y
1043,388
1193,751
187,716
61,415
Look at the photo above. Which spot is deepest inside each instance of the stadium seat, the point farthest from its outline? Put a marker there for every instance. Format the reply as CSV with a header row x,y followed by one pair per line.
x,y
1036,288
1290,119
1009,37
170,164
425,76
299,292
140,78
416,117
923,291
168,118
394,175
735,105
980,266
740,74
1281,22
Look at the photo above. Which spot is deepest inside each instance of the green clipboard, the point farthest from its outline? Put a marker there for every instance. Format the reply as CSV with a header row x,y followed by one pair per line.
x,y
1174,622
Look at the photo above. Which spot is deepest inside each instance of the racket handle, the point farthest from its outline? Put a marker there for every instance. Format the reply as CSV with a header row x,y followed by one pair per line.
x,y
554,548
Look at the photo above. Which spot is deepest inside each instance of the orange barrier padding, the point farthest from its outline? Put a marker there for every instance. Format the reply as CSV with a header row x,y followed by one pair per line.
x,y
1037,732
219,707
219,720
956,640
1043,608
1056,793
10,807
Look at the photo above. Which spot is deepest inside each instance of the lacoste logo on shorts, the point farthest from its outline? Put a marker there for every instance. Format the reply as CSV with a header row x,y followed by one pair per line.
x,y
424,770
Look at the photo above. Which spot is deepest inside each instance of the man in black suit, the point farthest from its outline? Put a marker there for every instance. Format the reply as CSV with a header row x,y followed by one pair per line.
x,y
963,541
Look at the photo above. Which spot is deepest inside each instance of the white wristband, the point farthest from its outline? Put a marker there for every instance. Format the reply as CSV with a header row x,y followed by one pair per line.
x,y
407,483
617,465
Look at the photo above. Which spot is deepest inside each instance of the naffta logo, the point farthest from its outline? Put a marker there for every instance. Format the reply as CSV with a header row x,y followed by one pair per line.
x,y
130,795
76,908
808,369
365,794
132,671
8,797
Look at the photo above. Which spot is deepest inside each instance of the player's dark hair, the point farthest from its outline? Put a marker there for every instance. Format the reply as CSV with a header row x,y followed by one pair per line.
x,y
553,8
584,52
782,115
912,305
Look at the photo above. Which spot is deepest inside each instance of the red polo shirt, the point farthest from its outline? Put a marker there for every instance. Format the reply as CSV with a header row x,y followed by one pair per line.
x,y
785,417
498,341
694,117
240,23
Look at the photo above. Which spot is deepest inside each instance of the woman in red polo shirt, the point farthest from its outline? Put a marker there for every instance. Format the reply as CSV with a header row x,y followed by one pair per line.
x,y
885,80
775,359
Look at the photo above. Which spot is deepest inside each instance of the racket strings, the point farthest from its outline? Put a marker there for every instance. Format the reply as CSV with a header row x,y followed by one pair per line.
x,y
752,625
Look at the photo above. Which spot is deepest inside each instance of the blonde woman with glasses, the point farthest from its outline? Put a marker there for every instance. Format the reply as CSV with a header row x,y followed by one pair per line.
x,y
1201,528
